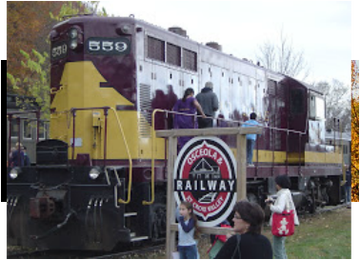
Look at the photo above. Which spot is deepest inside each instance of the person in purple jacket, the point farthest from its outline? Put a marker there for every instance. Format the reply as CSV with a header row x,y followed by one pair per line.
x,y
186,116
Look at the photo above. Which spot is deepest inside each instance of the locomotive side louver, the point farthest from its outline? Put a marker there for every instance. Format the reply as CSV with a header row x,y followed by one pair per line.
x,y
145,111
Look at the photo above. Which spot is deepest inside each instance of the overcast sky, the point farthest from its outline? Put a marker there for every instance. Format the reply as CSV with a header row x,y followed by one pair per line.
x,y
321,29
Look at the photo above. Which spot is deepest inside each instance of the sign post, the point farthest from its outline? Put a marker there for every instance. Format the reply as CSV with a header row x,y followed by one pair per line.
x,y
206,173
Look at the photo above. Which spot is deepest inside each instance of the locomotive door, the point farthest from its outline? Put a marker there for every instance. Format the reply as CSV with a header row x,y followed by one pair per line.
x,y
277,115
297,116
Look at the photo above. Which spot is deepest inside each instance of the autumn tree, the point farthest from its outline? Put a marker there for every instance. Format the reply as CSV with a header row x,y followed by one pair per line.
x,y
354,130
34,78
28,25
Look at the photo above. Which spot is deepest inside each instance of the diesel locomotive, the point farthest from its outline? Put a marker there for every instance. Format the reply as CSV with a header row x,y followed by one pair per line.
x,y
100,179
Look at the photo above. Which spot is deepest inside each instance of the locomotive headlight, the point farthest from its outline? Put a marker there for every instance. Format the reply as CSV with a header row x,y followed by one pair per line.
x,y
14,173
126,29
73,33
123,29
73,44
94,173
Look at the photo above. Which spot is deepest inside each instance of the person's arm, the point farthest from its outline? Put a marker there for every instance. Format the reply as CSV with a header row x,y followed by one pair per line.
x,y
280,204
175,116
187,228
199,108
215,102
177,214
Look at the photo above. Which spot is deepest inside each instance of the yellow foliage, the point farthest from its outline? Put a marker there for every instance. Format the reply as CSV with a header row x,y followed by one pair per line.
x,y
355,131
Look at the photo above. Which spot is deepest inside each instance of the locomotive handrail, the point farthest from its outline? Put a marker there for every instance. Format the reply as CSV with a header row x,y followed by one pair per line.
x,y
153,152
144,202
106,108
129,157
272,129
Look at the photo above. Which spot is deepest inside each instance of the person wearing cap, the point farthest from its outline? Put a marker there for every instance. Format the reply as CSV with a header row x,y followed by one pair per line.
x,y
17,156
283,199
209,103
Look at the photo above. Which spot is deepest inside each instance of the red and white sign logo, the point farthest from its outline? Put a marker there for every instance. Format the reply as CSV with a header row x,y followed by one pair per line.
x,y
205,175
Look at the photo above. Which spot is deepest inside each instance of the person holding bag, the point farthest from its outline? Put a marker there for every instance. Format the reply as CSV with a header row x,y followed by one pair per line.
x,y
283,217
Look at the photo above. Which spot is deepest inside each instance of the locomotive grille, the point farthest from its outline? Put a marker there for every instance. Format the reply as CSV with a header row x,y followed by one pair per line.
x,y
145,111
173,54
271,87
189,60
156,49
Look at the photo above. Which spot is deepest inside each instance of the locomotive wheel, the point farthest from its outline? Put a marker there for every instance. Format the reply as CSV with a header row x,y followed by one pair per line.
x,y
252,198
311,205
158,221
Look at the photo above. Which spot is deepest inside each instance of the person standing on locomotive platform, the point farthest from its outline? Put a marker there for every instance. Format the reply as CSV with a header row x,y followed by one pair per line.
x,y
186,116
250,139
210,104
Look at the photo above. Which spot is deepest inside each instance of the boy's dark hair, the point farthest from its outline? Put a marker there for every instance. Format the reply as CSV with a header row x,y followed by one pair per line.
x,y
283,181
252,213
253,115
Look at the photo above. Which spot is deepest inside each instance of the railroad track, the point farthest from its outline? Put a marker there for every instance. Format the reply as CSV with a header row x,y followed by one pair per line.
x,y
65,254
325,209
131,253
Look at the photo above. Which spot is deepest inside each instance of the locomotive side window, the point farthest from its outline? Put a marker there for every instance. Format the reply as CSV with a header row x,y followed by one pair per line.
x,y
156,49
297,101
173,54
189,60
317,108
320,108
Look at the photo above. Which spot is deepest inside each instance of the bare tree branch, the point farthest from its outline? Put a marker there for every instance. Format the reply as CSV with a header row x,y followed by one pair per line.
x,y
283,58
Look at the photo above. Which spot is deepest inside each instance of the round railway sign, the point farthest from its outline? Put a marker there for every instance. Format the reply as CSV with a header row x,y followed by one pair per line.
x,y
205,175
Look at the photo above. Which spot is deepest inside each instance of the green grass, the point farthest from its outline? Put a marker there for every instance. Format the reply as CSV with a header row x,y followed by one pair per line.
x,y
326,235
322,236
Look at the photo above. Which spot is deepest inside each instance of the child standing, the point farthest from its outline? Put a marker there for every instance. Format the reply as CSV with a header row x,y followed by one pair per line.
x,y
187,232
